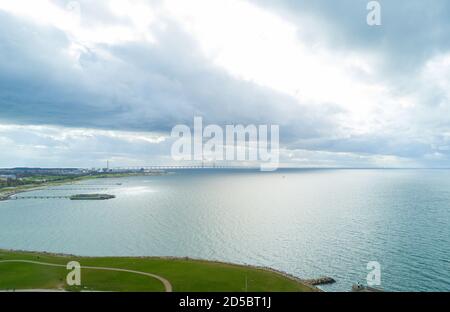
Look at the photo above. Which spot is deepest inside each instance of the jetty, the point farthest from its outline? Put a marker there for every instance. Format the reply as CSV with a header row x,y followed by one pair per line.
x,y
38,197
78,189
71,197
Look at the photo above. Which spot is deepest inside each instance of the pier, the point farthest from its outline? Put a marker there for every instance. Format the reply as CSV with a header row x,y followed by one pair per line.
x,y
71,197
39,197
78,189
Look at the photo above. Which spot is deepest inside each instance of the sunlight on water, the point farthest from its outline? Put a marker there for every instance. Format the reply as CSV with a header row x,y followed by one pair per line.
x,y
134,190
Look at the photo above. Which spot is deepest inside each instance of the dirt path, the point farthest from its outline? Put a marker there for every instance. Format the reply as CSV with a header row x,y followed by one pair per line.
x,y
165,282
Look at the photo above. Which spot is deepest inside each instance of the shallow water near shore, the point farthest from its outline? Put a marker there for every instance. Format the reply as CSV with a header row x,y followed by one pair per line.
x,y
308,223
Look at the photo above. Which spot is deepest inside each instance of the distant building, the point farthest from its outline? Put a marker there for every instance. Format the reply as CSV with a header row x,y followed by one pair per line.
x,y
8,177
40,171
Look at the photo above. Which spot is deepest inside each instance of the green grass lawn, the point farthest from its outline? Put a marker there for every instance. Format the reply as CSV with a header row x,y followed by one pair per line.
x,y
183,274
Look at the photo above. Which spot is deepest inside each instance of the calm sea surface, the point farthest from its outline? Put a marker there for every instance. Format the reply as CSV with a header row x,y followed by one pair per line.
x,y
309,223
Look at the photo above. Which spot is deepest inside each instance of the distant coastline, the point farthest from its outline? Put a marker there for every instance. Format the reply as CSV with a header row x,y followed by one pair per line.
x,y
7,192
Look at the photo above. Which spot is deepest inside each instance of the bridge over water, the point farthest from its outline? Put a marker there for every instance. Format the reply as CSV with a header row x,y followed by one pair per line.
x,y
176,167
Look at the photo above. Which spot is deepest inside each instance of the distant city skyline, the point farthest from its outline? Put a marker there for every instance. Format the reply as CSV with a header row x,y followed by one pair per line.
x,y
83,83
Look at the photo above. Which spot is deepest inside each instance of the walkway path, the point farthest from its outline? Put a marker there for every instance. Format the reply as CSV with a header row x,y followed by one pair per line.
x,y
165,282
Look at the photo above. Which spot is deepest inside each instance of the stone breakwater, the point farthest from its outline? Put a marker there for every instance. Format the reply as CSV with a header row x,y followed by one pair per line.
x,y
320,281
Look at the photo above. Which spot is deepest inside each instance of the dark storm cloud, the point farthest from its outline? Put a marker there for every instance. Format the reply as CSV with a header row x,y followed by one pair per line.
x,y
38,85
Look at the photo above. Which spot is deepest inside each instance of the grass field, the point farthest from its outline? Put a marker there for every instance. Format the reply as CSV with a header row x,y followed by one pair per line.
x,y
183,275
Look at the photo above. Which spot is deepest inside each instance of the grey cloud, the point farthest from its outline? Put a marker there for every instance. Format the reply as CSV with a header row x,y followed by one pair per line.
x,y
152,87
411,32
145,87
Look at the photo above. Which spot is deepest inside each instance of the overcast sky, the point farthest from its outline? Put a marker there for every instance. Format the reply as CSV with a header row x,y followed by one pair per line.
x,y
89,81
